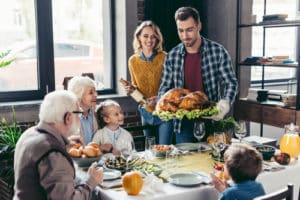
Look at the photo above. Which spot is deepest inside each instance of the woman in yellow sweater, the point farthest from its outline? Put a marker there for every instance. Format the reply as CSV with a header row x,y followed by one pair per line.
x,y
145,68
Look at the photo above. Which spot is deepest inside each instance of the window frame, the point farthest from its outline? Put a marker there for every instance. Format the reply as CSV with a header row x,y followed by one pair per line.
x,y
45,53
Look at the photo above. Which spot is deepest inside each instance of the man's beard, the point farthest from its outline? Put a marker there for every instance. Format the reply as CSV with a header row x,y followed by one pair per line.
x,y
74,129
190,42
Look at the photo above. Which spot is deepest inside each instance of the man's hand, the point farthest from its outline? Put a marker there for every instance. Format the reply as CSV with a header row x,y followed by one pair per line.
x,y
76,139
223,108
96,173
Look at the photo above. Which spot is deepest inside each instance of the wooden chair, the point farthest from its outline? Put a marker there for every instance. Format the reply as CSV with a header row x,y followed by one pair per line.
x,y
285,193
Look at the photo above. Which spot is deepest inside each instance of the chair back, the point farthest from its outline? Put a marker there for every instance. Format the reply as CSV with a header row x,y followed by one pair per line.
x,y
285,193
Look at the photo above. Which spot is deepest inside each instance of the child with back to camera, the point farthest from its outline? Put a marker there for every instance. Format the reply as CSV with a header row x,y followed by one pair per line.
x,y
243,163
112,138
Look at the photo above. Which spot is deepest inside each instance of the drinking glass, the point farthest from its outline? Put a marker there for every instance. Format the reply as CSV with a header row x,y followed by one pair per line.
x,y
149,142
199,132
219,143
241,130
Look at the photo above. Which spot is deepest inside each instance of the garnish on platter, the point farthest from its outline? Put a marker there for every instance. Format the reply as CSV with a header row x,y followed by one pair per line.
x,y
178,103
219,171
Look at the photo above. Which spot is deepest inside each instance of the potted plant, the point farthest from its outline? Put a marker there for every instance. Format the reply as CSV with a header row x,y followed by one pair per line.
x,y
226,125
4,62
9,135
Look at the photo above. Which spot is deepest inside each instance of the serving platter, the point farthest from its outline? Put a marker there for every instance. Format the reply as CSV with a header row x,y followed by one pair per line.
x,y
187,179
193,146
86,162
189,114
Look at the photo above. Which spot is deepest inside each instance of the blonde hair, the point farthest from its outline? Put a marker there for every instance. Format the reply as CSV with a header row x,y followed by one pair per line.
x,y
137,46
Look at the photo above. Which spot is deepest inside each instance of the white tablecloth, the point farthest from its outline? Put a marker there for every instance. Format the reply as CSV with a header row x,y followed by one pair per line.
x,y
273,181
170,192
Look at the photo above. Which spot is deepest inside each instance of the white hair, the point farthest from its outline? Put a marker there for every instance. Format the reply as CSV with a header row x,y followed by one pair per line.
x,y
56,104
78,84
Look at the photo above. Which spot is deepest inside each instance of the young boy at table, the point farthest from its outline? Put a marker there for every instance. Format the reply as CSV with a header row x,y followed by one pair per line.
x,y
243,163
112,138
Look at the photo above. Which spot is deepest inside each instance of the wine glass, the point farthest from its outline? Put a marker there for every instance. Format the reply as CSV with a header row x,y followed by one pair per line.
x,y
128,151
241,130
219,143
149,142
199,132
132,155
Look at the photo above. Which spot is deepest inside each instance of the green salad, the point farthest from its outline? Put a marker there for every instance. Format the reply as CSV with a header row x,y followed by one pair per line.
x,y
180,113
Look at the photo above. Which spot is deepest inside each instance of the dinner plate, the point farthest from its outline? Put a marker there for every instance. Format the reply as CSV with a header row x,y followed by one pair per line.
x,y
109,175
186,179
192,146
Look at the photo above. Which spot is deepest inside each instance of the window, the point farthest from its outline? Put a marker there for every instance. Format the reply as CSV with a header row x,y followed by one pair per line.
x,y
68,41
278,41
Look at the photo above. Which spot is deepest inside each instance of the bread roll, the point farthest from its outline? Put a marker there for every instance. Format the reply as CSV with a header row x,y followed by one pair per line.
x,y
99,153
74,152
94,144
76,145
90,151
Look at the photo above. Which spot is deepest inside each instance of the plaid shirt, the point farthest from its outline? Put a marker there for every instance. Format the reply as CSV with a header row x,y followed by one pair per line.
x,y
219,80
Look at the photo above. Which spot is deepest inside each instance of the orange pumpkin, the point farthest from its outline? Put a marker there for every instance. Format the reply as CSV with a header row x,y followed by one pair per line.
x,y
132,183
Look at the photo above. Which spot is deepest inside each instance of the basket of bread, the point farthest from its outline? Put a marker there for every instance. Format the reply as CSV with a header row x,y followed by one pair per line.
x,y
178,103
84,156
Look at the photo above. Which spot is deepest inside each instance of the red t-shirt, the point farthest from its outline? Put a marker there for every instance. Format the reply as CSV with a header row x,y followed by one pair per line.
x,y
192,72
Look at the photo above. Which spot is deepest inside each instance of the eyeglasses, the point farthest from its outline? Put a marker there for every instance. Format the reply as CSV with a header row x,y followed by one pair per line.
x,y
77,112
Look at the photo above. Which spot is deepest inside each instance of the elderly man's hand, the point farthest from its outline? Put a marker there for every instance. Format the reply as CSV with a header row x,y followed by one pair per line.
x,y
96,173
76,139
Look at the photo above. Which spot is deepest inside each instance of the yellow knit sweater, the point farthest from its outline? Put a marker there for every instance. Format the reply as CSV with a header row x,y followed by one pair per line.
x,y
146,75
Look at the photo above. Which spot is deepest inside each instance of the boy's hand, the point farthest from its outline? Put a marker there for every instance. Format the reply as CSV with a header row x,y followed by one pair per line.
x,y
218,183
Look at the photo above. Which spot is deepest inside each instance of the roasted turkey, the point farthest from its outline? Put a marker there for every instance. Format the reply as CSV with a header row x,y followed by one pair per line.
x,y
178,98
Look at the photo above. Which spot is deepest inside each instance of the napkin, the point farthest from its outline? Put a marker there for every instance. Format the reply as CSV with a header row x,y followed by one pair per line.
x,y
272,166
152,184
111,184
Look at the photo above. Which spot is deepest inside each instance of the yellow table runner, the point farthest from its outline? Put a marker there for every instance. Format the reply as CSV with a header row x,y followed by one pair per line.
x,y
195,162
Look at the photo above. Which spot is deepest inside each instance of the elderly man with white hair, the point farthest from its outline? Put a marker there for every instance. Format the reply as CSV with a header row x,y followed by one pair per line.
x,y
85,90
43,168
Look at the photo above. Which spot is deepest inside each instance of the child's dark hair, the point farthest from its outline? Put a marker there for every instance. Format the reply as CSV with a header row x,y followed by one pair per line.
x,y
243,162
101,112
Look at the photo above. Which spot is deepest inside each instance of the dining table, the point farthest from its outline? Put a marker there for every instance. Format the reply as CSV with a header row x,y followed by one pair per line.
x,y
273,177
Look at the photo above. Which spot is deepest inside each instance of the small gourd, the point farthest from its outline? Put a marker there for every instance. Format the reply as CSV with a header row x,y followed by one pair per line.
x,y
132,183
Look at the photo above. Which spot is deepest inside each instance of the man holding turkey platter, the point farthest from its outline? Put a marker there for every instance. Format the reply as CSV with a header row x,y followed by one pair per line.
x,y
196,64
